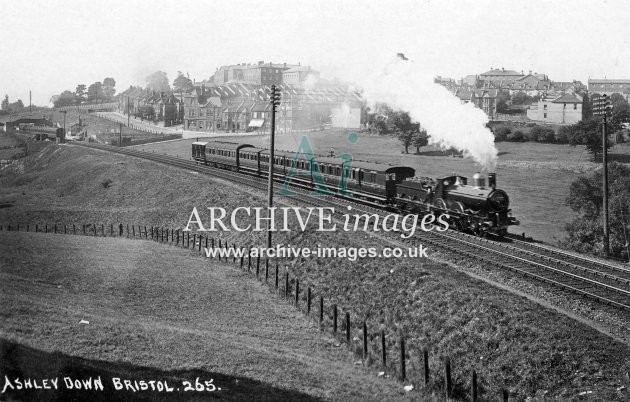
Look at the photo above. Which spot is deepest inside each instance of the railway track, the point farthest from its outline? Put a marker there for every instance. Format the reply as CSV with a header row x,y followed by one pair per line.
x,y
595,279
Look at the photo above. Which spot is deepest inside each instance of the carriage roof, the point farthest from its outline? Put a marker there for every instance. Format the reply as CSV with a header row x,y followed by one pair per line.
x,y
230,146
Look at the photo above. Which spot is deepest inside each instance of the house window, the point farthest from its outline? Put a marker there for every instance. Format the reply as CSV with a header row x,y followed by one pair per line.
x,y
545,115
575,106
545,107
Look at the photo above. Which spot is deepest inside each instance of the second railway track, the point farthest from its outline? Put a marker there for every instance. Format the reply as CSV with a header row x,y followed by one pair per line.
x,y
605,282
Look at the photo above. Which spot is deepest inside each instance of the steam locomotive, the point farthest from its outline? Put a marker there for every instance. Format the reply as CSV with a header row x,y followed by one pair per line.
x,y
474,208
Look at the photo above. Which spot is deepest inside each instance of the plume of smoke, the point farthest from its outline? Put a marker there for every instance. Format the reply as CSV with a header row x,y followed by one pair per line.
x,y
403,85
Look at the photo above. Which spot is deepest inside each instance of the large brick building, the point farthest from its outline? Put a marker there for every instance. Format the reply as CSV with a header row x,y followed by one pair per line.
x,y
609,86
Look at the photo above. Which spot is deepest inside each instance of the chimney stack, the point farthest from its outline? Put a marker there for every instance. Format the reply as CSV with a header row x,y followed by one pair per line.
x,y
492,180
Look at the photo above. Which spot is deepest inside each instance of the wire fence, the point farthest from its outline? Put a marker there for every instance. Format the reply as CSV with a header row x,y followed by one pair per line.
x,y
383,348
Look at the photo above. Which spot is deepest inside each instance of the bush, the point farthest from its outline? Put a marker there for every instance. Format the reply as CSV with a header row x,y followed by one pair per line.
x,y
501,133
532,135
563,136
516,136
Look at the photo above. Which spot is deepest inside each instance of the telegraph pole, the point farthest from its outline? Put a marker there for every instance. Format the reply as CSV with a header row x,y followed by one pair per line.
x,y
605,160
602,106
120,135
128,115
275,101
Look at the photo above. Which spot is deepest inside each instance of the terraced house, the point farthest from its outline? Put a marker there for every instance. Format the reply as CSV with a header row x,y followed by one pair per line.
x,y
484,99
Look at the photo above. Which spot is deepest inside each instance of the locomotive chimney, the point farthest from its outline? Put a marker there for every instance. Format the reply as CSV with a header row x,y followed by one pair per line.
x,y
492,180
478,180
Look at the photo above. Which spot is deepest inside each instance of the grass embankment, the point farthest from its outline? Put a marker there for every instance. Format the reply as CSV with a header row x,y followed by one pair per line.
x,y
512,342
159,313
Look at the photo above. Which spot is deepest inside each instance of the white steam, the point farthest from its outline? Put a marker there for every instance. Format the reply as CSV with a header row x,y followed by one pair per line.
x,y
403,85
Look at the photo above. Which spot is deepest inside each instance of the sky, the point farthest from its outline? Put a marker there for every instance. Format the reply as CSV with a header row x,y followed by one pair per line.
x,y
52,45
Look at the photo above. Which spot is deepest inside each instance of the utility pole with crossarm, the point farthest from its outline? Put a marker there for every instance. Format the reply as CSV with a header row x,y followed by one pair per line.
x,y
602,107
275,101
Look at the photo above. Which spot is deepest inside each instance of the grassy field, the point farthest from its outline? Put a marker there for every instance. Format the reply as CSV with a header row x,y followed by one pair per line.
x,y
225,326
536,176
513,342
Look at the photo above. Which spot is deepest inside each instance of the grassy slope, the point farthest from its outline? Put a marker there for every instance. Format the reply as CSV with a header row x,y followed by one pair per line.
x,y
513,342
131,292
536,176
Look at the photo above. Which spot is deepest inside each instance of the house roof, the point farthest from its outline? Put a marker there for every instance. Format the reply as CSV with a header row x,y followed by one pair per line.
x,y
606,81
567,98
298,68
502,72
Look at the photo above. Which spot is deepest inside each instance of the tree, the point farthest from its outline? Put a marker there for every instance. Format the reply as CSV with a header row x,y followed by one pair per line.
x,y
405,129
420,139
521,98
5,103
542,134
588,133
182,83
109,90
587,107
585,232
501,133
158,81
620,111
81,93
503,97
16,106
66,98
95,92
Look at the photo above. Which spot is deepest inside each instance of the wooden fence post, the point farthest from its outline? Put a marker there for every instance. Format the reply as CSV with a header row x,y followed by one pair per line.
x,y
335,318
286,284
383,349
18,227
297,292
249,260
27,227
207,243
473,390
46,228
365,340
133,229
276,274
74,229
242,258
127,230
55,228
348,328
403,368
447,378
94,225
146,235
308,300
36,228
111,230
266,269
506,395
321,310
103,229
199,243
257,265
425,358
